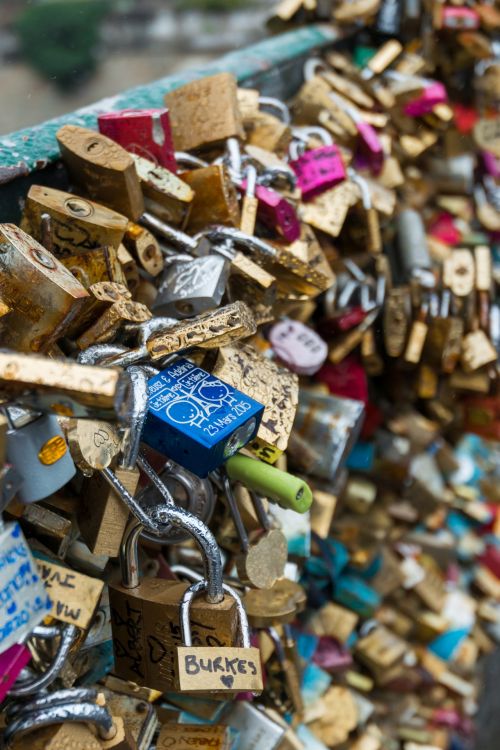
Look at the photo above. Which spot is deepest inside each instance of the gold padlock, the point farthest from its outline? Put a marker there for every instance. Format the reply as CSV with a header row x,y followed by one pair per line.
x,y
104,170
77,224
205,112
215,199
165,194
40,317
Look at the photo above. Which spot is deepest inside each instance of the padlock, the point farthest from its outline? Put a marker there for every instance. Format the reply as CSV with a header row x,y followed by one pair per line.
x,y
77,224
196,419
298,346
192,287
32,325
458,17
443,343
278,605
102,168
283,677
36,445
412,243
277,213
145,132
374,240
317,169
262,560
204,112
165,194
184,736
64,387
459,272
150,610
215,199
25,600
207,331
144,247
224,669
433,94
396,314
250,202
316,414
416,338
107,325
266,130
94,267
369,143
275,387
477,351
12,662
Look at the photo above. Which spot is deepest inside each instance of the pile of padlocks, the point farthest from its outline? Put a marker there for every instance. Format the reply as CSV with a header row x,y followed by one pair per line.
x,y
248,385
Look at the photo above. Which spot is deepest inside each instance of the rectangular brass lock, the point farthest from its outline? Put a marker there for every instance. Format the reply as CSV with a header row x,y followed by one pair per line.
x,y
33,324
205,112
165,194
63,387
215,200
95,266
102,168
146,629
77,224
271,385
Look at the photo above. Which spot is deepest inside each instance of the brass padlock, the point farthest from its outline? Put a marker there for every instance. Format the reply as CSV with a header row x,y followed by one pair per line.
x,y
165,194
396,321
222,669
77,224
102,168
93,267
144,247
205,112
150,610
38,318
215,200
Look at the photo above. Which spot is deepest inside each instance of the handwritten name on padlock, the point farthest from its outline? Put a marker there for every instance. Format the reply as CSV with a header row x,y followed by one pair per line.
x,y
202,669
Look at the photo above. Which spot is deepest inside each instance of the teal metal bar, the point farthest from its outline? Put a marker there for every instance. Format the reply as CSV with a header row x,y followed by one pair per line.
x,y
272,64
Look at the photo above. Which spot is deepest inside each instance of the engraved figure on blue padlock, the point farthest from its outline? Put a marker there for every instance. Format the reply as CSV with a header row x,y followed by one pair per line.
x,y
197,419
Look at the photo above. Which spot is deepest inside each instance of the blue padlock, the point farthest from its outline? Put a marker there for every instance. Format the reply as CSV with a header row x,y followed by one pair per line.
x,y
197,419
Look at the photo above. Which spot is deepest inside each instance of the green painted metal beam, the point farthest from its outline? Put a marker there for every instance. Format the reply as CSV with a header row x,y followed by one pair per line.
x,y
272,64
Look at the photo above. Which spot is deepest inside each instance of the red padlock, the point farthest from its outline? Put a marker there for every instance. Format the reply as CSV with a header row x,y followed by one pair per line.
x,y
145,132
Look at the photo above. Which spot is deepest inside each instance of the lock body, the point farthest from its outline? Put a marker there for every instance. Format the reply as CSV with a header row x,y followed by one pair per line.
x,y
38,448
145,132
192,287
318,169
197,419
277,213
55,298
146,629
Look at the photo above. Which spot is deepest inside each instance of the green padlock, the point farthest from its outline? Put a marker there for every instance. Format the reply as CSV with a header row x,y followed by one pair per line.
x,y
278,486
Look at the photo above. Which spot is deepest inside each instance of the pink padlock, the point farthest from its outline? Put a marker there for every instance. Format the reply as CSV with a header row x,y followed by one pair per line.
x,y
459,18
145,132
491,164
444,229
318,170
12,661
434,93
277,213
369,143
298,346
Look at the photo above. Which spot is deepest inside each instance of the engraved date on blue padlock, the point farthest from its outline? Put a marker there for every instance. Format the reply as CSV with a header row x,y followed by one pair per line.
x,y
197,419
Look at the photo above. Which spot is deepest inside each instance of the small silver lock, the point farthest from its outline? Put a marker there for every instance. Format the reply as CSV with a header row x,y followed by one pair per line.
x,y
37,449
192,287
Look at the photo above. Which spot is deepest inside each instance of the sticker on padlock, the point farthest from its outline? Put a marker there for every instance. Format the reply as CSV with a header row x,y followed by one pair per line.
x,y
196,419
36,445
221,669
25,601
298,346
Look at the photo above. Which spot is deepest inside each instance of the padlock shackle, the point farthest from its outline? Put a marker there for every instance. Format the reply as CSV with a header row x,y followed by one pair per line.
x,y
188,160
98,354
280,107
65,695
187,599
138,411
61,714
176,236
68,635
174,515
217,233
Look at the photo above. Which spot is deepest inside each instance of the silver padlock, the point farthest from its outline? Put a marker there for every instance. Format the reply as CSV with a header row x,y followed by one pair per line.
x,y
192,287
38,451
